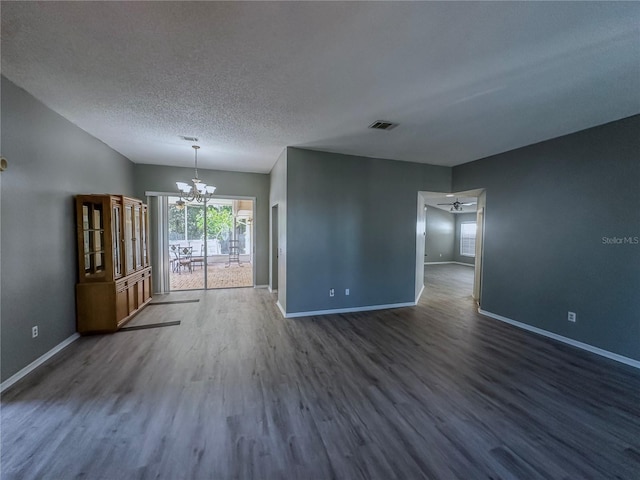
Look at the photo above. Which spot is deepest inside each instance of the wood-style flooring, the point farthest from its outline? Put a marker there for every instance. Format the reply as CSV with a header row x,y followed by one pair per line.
x,y
237,392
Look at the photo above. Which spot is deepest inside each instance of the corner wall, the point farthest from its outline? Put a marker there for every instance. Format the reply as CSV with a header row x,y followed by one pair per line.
x,y
50,160
551,255
278,196
351,223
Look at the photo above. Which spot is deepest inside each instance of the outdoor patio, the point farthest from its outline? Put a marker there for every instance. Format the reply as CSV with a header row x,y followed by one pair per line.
x,y
218,276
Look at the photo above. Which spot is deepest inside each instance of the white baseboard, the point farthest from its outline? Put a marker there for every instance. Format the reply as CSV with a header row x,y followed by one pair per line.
x,y
36,363
569,341
419,295
366,308
284,314
452,262
261,286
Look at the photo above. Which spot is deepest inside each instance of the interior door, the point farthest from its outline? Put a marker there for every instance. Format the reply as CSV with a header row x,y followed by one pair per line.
x,y
478,267
274,248
421,233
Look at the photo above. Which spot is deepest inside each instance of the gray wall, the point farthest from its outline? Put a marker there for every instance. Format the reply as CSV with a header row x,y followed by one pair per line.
x,y
278,196
440,235
462,218
351,223
547,256
158,178
50,160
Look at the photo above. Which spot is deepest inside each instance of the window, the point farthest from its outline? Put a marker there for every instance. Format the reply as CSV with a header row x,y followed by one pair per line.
x,y
468,239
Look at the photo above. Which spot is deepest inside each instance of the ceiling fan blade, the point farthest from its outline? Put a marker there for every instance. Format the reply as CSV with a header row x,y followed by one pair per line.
x,y
445,203
468,204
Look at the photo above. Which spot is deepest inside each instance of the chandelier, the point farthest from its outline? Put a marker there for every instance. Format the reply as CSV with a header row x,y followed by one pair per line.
x,y
198,191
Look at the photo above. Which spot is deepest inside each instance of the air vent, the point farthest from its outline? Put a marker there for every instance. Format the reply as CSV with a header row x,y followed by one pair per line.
x,y
189,139
383,125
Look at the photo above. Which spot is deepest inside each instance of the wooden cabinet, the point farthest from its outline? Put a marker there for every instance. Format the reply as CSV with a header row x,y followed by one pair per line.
x,y
114,274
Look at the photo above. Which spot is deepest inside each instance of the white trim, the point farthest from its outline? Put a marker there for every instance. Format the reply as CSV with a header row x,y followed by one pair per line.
x,y
419,294
452,262
584,346
261,286
347,310
272,290
284,314
37,362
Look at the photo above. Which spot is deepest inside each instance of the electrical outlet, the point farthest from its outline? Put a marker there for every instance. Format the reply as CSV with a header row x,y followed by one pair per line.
x,y
332,292
571,316
346,291
34,331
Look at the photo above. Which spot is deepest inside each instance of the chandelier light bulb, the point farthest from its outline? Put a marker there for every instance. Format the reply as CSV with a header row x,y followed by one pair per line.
x,y
198,191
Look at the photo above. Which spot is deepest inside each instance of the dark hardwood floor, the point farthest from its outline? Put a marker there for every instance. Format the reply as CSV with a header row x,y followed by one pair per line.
x,y
237,392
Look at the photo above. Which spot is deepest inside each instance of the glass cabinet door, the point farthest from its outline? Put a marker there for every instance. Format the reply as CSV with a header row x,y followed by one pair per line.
x,y
117,240
137,244
128,237
93,238
143,237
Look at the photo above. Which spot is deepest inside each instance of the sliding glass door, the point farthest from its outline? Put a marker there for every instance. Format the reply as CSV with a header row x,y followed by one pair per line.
x,y
211,245
230,243
186,245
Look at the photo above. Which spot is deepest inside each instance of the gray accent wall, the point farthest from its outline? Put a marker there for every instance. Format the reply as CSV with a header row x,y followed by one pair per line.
x,y
459,219
158,178
351,223
50,161
550,208
440,235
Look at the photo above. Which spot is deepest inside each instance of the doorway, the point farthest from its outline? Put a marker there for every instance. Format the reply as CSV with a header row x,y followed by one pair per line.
x,y
210,245
452,261
273,286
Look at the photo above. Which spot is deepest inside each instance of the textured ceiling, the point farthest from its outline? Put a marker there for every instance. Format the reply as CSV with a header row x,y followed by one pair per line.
x,y
463,80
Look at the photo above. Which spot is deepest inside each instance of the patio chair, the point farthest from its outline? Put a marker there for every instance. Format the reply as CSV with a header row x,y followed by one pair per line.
x,y
185,255
199,260
174,257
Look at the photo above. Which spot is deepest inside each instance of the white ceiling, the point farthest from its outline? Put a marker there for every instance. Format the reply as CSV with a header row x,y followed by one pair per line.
x,y
463,80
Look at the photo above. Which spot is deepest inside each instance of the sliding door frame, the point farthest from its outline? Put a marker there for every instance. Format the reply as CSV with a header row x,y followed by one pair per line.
x,y
160,237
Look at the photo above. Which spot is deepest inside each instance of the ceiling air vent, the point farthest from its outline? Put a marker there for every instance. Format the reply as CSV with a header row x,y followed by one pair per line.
x,y
189,139
383,125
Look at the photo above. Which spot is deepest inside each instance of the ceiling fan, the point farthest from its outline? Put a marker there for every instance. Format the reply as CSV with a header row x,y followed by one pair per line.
x,y
457,205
